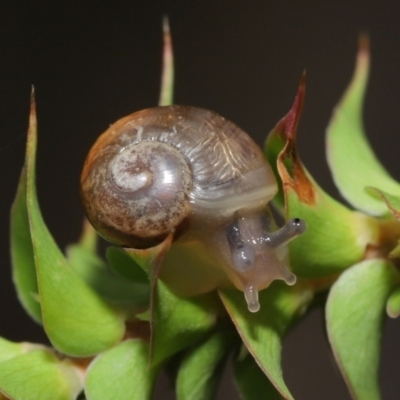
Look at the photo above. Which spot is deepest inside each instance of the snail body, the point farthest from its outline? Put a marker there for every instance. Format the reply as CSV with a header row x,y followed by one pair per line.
x,y
190,172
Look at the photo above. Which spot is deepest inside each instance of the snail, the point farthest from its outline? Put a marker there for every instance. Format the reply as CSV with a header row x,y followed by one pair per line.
x,y
190,172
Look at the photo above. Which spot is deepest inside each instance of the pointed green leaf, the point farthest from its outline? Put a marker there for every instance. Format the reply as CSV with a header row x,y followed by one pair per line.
x,y
77,321
263,332
121,373
95,272
176,322
124,265
23,264
128,297
335,237
351,159
354,314
251,381
167,77
39,375
180,322
202,367
393,303
149,260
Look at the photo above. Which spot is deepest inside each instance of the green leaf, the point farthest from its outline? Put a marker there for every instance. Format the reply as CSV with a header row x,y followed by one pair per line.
x,y
355,314
77,320
39,375
167,78
180,322
10,349
263,332
124,266
129,297
149,260
176,322
335,237
393,303
121,373
351,159
250,380
23,264
202,368
95,272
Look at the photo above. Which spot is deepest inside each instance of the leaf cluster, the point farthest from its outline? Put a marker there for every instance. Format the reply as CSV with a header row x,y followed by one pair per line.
x,y
115,323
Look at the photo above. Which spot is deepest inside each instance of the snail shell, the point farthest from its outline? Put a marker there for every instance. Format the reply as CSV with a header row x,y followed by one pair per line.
x,y
191,172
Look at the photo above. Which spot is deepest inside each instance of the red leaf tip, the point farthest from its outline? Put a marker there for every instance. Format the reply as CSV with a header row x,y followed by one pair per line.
x,y
294,175
293,116
363,44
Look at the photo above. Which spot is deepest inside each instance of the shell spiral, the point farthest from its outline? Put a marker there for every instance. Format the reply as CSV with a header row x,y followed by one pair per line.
x,y
158,170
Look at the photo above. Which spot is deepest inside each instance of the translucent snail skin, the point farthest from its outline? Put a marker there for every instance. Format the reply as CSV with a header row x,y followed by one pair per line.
x,y
190,172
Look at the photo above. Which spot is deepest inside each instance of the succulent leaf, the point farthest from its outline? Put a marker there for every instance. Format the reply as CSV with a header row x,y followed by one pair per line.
x,y
76,319
393,303
353,164
97,275
354,313
121,373
123,265
22,255
176,322
10,349
122,282
39,374
179,322
263,332
250,380
202,367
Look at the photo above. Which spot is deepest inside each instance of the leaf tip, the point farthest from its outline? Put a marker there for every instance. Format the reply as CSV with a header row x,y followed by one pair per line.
x,y
165,25
363,45
167,76
289,165
32,115
293,117
363,58
303,78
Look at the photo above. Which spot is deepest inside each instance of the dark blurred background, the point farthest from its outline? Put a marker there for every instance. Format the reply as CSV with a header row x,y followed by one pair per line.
x,y
93,62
